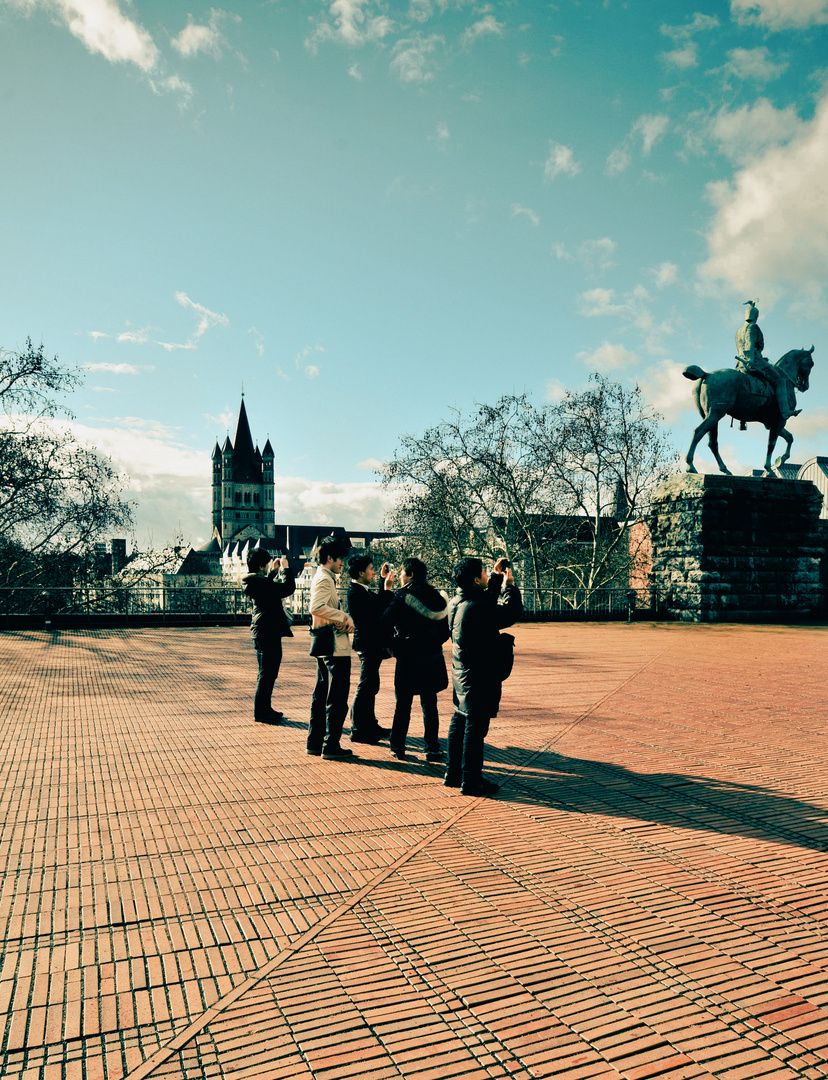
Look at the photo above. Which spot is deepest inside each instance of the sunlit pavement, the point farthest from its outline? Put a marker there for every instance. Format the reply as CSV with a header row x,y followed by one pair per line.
x,y
188,894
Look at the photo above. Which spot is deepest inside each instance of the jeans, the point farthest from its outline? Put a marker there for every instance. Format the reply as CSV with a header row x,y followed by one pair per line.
x,y
402,718
363,716
466,736
329,704
269,659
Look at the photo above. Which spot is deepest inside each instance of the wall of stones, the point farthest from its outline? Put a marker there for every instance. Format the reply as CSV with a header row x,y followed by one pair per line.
x,y
737,549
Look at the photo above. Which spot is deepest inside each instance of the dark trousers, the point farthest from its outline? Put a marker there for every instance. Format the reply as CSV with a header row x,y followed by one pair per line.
x,y
363,716
402,716
269,659
466,736
329,704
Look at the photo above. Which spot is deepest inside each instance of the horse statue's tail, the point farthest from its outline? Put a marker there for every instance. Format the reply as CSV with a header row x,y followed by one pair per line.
x,y
694,372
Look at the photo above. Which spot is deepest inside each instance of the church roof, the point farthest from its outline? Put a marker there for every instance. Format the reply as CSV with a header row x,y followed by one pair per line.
x,y
245,468
213,545
216,455
268,450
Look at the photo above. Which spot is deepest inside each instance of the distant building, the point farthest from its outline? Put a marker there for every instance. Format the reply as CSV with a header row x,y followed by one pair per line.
x,y
814,469
242,487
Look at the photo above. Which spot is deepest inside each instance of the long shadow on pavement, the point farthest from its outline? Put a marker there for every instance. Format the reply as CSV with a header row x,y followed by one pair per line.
x,y
708,804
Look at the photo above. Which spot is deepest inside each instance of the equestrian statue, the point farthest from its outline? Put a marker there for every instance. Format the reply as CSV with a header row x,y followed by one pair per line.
x,y
755,390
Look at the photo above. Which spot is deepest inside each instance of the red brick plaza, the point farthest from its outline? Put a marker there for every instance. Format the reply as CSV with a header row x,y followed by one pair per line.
x,y
187,894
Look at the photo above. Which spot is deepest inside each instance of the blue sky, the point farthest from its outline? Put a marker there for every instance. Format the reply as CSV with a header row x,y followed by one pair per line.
x,y
369,212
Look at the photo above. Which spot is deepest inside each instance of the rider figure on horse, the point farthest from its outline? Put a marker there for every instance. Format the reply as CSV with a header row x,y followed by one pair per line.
x,y
749,345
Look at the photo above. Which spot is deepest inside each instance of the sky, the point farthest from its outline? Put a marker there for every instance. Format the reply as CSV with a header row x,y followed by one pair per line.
x,y
365,213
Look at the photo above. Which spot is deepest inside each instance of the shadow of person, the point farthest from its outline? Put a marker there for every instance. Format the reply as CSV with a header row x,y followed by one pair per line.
x,y
708,804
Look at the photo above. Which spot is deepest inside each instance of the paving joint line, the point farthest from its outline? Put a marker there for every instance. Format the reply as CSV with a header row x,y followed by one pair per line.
x,y
147,1067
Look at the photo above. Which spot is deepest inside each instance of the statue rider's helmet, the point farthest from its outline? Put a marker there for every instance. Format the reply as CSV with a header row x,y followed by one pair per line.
x,y
752,313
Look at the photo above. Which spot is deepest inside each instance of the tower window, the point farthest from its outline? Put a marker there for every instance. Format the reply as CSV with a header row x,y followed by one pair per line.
x,y
238,498
247,498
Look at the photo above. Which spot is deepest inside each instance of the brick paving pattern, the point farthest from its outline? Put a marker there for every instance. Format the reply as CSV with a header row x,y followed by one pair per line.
x,y
187,894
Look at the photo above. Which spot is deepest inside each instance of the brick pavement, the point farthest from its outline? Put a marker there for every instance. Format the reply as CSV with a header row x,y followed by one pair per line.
x,y
187,894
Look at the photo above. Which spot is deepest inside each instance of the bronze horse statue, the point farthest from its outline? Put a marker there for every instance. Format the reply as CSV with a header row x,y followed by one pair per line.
x,y
729,392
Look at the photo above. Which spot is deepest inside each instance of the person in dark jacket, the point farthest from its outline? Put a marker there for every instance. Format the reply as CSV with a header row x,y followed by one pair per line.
x,y
365,608
475,619
417,619
268,625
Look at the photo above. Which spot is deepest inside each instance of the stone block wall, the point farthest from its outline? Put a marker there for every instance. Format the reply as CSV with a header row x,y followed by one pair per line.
x,y
737,548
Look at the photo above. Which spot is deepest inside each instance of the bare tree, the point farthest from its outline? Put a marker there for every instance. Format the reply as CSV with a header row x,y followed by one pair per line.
x,y
56,496
554,488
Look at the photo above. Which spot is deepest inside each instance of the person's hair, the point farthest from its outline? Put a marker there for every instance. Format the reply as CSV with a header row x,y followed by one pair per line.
x,y
358,563
416,570
466,571
332,547
257,558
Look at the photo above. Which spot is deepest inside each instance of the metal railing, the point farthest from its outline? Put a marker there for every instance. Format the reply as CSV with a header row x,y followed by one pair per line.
x,y
230,604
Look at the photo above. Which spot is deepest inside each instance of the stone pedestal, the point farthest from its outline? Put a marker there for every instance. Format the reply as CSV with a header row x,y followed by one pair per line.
x,y
737,548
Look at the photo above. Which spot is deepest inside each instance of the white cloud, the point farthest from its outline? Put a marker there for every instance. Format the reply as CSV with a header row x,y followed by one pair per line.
x,y
350,25
555,390
651,128
487,25
667,390
665,274
355,73
207,318
96,335
196,38
559,250
770,226
443,133
754,64
634,310
411,57
258,340
518,211
685,55
596,255
607,357
420,10
781,14
174,346
102,27
741,134
300,361
371,464
618,161
560,162
114,369
648,128
595,303
135,337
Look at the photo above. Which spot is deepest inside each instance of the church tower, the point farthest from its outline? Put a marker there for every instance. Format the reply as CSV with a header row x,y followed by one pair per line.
x,y
243,503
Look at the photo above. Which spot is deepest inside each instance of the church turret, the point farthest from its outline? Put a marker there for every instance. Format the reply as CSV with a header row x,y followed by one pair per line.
x,y
216,458
243,496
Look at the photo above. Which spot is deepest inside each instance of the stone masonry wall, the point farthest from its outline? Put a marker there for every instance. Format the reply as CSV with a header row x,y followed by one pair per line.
x,y
737,548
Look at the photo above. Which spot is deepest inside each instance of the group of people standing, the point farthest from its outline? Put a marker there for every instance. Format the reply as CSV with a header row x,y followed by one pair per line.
x,y
411,623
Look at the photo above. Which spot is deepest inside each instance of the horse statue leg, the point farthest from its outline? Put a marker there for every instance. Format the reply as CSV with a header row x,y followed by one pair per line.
x,y
710,427
713,443
783,433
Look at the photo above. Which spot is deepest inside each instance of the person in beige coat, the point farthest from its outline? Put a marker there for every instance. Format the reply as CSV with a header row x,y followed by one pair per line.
x,y
329,705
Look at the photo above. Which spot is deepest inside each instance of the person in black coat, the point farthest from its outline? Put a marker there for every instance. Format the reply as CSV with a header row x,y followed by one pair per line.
x,y
417,619
475,620
365,608
268,626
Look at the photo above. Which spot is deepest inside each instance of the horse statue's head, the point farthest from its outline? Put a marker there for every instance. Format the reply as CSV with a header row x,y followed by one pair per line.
x,y
797,366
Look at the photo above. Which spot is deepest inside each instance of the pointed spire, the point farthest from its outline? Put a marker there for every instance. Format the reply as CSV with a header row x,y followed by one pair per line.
x,y
245,469
216,455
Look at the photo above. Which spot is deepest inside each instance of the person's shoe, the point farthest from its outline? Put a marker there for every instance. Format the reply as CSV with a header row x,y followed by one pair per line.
x,y
452,781
482,787
312,750
370,740
336,753
399,753
272,718
382,732
435,755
